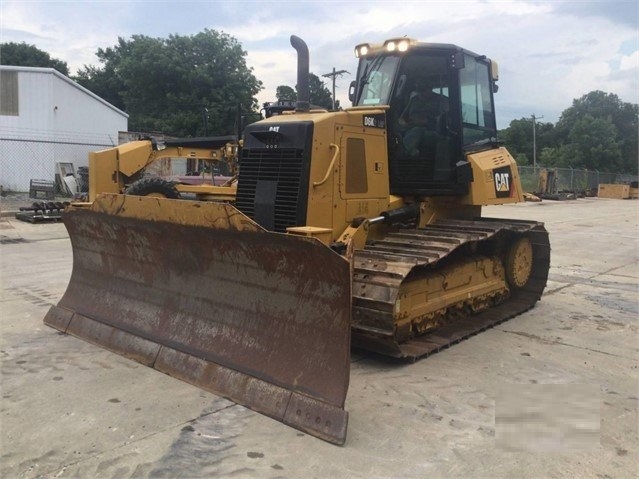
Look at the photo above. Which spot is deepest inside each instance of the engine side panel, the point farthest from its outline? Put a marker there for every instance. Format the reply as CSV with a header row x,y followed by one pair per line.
x,y
495,179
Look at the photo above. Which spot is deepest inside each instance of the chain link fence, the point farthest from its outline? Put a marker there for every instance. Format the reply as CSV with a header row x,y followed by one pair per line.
x,y
570,179
22,161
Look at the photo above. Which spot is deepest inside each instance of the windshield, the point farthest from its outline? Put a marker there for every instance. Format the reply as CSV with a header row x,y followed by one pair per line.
x,y
377,79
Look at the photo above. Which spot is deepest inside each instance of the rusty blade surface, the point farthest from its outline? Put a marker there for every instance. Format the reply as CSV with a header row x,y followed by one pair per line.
x,y
260,318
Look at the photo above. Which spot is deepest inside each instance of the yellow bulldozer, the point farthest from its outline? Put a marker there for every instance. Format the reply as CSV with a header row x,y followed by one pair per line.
x,y
355,228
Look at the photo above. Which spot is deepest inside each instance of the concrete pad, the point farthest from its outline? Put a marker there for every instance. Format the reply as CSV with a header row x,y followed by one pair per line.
x,y
595,322
52,382
70,409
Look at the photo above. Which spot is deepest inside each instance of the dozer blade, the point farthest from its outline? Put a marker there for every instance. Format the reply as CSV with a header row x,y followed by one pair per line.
x,y
200,292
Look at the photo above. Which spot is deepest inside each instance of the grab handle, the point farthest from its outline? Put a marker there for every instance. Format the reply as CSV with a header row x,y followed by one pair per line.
x,y
330,167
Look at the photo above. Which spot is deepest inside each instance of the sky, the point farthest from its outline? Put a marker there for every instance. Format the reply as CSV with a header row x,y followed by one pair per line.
x,y
549,52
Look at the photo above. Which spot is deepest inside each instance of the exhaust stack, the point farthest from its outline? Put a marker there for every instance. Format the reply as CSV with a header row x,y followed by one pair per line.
x,y
303,90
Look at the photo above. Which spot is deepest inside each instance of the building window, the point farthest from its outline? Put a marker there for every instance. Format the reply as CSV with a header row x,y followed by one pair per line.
x,y
9,93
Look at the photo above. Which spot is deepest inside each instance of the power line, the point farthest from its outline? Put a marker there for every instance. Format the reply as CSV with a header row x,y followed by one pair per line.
x,y
333,75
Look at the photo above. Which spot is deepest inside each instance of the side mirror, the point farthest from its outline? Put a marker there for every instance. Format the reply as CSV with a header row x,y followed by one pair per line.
x,y
352,90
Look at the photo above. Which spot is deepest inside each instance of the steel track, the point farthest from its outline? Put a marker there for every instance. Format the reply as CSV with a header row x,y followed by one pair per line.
x,y
382,266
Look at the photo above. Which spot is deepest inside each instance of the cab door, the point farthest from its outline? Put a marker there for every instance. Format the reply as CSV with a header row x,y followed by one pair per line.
x,y
363,175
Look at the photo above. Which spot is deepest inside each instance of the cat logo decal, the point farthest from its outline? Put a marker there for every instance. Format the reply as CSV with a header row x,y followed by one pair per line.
x,y
503,181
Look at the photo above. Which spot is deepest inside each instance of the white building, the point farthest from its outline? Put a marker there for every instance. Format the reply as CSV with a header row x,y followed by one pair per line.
x,y
46,118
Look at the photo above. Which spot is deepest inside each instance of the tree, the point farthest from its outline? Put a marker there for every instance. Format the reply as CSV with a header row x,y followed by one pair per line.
x,y
597,132
548,156
24,55
320,95
522,159
605,113
284,93
518,138
592,144
174,84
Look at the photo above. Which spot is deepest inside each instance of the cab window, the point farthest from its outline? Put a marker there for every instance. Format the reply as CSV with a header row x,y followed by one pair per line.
x,y
478,118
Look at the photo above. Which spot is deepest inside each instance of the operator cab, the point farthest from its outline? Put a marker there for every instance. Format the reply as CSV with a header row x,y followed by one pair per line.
x,y
441,107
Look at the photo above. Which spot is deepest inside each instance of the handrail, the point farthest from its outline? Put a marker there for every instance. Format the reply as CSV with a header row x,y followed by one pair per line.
x,y
330,167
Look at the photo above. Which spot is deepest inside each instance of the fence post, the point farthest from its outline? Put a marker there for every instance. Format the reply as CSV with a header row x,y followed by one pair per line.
x,y
572,175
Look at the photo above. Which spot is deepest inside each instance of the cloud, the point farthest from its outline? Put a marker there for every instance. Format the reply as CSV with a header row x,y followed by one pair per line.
x,y
630,62
69,31
549,52
19,36
622,12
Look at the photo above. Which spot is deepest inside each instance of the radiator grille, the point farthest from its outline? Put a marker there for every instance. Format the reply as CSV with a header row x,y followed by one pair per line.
x,y
283,166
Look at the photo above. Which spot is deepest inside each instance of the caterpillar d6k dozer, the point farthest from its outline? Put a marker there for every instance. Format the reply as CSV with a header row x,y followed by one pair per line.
x,y
358,227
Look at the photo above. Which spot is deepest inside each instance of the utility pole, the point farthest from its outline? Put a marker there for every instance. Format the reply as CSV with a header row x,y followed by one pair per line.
x,y
534,119
333,75
205,118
